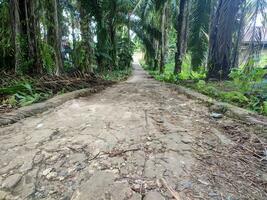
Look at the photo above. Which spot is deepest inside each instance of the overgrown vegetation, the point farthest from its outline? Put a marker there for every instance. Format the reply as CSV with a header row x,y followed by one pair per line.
x,y
244,90
216,47
71,44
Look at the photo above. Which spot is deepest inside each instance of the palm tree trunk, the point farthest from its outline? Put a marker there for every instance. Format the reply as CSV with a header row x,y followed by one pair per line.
x,y
112,32
73,31
186,27
220,47
16,32
25,28
179,40
163,37
54,36
235,62
31,20
86,39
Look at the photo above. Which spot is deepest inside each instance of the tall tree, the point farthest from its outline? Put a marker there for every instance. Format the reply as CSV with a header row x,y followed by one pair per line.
x,y
180,32
112,29
220,46
240,24
164,36
16,32
31,21
86,38
54,33
26,34
185,33
198,44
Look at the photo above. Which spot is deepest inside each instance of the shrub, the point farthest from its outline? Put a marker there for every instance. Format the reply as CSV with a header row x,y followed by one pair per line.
x,y
235,97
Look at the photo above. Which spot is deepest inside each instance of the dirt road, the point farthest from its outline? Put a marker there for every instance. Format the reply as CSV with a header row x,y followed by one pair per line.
x,y
136,140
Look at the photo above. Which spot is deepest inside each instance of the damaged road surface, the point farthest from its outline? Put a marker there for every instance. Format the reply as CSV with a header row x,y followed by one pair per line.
x,y
137,140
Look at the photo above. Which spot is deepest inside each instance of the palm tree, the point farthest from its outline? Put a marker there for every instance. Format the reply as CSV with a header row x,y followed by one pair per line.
x,y
198,44
179,41
220,46
53,33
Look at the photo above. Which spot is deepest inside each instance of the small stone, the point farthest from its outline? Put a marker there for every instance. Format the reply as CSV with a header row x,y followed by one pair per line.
x,y
186,141
55,157
61,178
51,175
203,182
52,192
47,171
186,185
136,187
11,181
264,177
216,115
39,126
26,166
38,158
213,194
3,195
154,195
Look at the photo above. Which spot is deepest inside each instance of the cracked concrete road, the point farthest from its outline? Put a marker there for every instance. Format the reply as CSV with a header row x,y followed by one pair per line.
x,y
132,141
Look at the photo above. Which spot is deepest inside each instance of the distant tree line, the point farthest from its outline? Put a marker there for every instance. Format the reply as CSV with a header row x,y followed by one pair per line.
x,y
55,36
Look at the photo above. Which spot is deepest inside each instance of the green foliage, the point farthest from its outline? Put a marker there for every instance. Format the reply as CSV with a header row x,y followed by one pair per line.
x,y
198,43
186,73
79,57
125,52
6,49
47,54
207,89
247,80
263,59
235,97
25,62
116,75
265,107
22,94
24,99
20,86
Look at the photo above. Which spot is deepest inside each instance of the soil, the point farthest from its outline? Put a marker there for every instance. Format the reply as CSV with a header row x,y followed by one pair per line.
x,y
137,140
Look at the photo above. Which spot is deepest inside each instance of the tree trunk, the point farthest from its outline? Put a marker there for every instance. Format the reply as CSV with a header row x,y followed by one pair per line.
x,y
179,40
16,32
73,31
156,58
186,27
34,54
220,47
112,32
54,36
26,35
86,38
198,41
101,44
112,35
239,38
163,37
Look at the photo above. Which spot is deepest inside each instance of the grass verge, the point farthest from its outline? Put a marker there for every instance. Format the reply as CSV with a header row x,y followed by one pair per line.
x,y
249,95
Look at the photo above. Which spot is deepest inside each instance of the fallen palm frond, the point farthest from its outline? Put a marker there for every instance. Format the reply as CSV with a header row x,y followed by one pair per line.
x,y
17,91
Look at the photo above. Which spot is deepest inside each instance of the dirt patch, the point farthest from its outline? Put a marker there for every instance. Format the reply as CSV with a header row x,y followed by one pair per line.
x,y
230,171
